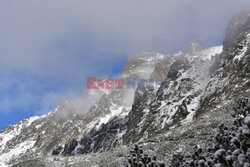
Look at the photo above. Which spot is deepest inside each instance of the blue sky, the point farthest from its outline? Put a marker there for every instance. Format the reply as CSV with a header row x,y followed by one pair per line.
x,y
24,94
48,48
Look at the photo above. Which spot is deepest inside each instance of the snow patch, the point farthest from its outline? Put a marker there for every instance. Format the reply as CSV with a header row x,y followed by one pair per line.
x,y
192,108
120,134
244,50
115,111
31,120
17,151
208,53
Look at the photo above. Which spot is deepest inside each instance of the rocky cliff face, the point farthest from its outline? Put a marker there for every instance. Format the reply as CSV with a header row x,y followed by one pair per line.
x,y
198,87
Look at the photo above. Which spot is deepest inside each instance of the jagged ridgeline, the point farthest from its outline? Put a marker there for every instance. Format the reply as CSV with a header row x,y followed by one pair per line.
x,y
231,146
200,86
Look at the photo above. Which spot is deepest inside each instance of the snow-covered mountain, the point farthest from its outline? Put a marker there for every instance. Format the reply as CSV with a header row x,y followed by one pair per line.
x,y
199,85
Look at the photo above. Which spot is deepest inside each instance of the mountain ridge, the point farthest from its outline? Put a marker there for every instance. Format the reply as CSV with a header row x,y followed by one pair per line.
x,y
198,88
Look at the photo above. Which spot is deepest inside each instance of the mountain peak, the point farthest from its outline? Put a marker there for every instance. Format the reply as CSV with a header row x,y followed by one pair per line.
x,y
192,46
237,29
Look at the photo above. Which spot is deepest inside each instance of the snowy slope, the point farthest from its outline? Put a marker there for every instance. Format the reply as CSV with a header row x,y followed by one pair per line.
x,y
178,99
6,137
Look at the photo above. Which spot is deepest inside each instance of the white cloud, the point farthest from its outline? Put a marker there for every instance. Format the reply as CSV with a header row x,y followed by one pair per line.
x,y
36,35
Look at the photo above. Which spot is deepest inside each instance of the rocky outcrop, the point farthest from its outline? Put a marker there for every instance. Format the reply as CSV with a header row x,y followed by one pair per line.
x,y
230,76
